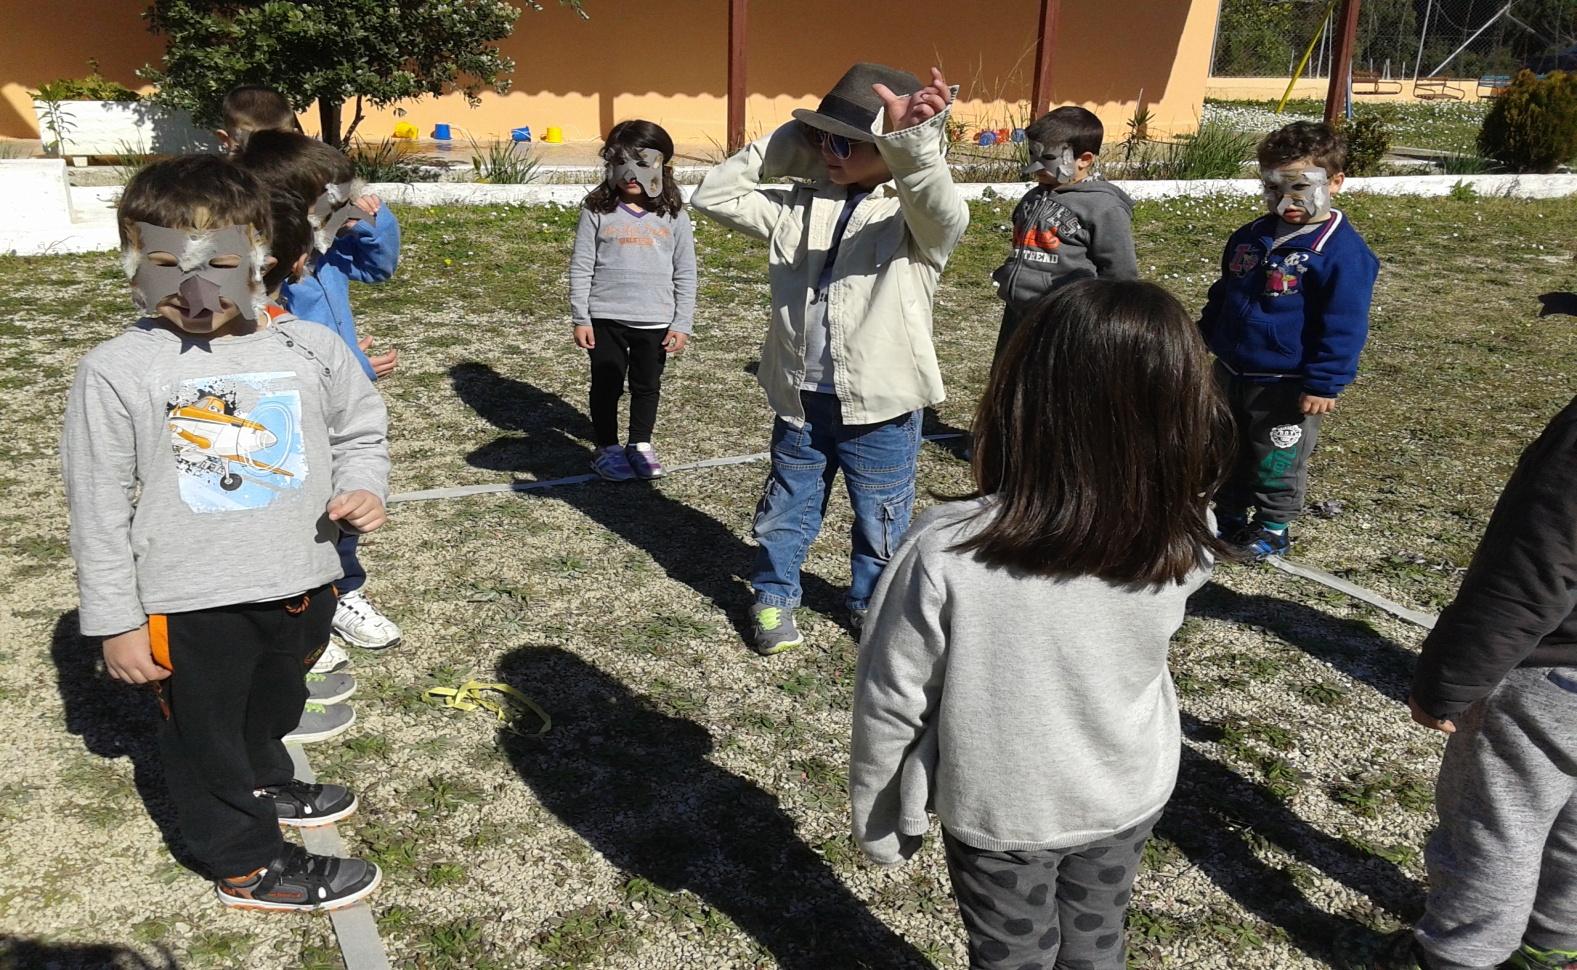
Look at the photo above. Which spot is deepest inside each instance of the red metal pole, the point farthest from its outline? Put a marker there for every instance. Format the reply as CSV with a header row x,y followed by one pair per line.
x,y
736,74
1341,61
1040,101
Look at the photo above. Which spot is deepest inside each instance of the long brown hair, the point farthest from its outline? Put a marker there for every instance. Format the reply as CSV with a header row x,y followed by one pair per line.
x,y
629,137
1102,436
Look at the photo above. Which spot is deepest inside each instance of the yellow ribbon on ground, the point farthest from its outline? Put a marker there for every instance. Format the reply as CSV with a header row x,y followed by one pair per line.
x,y
501,700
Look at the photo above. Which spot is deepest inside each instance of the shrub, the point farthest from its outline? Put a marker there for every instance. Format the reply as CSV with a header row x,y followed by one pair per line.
x,y
503,163
94,87
1532,126
1368,139
1215,151
388,161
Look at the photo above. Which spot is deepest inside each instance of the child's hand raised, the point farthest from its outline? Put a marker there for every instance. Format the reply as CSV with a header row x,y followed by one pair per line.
x,y
906,111
359,511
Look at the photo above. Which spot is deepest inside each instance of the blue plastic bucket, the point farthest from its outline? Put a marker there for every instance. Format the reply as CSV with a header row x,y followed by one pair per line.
x,y
441,132
523,133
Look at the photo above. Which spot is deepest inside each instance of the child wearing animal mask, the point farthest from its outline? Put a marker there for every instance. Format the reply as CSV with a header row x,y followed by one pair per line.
x,y
1072,225
632,291
1286,321
220,429
355,238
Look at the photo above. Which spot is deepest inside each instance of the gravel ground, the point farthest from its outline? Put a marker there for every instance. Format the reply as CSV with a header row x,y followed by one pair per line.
x,y
687,807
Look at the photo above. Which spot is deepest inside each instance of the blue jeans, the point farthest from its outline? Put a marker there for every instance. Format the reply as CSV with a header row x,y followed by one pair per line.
x,y
355,575
878,463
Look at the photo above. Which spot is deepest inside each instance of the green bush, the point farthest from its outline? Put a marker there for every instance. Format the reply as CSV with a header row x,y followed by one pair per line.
x,y
1215,151
94,87
1532,126
1368,139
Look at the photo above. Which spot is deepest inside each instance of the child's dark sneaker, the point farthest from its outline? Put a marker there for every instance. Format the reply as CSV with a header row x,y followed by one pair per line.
x,y
643,461
1229,524
857,621
1255,543
1532,958
1399,951
319,722
305,806
299,880
329,688
774,630
612,464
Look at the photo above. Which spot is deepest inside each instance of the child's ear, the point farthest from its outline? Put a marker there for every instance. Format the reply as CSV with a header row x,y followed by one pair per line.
x,y
1336,182
300,268
226,143
1088,158
269,263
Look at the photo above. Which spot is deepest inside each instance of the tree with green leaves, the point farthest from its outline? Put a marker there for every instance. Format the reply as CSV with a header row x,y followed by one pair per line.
x,y
331,52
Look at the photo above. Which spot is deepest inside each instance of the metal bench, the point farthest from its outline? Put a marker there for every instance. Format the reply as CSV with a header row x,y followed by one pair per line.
x,y
1371,83
1492,84
1439,89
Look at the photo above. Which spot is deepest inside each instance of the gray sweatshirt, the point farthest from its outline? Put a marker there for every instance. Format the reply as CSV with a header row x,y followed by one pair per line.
x,y
1026,712
1066,233
636,269
197,472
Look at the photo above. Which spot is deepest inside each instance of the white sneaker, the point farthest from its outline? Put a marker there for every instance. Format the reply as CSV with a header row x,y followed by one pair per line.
x,y
358,623
331,659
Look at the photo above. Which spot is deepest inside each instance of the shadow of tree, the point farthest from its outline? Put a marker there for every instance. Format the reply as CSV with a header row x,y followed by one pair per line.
x,y
1351,646
17,953
115,720
546,438
638,786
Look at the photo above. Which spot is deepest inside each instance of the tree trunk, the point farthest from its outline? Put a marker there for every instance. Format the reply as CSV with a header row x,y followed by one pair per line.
x,y
328,121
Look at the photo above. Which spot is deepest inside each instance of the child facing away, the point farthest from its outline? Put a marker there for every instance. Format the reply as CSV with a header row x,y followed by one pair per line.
x,y
356,238
253,107
1072,225
632,291
1013,676
1499,675
1286,320
854,255
261,448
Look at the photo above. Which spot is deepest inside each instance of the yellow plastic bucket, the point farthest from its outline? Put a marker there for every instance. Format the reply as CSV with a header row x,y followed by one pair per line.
x,y
553,136
406,130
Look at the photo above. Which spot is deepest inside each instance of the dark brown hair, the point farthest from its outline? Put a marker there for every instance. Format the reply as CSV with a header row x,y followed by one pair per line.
x,y
295,162
192,192
290,235
1072,125
251,108
1102,437
631,137
1304,139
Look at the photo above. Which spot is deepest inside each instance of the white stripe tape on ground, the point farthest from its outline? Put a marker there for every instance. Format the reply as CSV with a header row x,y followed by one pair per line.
x,y
1425,620
461,491
354,926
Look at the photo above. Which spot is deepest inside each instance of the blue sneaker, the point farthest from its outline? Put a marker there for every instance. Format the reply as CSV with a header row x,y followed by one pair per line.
x,y
1255,543
611,464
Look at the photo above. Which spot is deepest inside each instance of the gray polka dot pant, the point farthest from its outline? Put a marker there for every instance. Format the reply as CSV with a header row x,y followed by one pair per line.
x,y
1047,908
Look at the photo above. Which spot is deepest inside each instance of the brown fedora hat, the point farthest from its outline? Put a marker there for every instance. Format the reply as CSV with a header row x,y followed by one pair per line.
x,y
852,108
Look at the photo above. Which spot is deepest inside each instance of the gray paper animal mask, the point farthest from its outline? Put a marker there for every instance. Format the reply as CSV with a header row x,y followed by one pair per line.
x,y
646,168
200,284
1059,160
335,207
1309,191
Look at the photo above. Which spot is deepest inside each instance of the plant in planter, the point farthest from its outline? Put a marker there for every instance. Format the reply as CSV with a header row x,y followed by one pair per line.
x,y
94,115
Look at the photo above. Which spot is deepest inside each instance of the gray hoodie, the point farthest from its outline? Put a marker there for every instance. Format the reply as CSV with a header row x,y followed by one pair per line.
x,y
197,471
1064,233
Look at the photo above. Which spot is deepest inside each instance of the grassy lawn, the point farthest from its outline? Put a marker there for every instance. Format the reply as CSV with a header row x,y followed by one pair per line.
x,y
687,809
1450,126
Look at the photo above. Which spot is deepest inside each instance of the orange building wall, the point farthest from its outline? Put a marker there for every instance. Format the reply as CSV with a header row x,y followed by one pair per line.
x,y
582,76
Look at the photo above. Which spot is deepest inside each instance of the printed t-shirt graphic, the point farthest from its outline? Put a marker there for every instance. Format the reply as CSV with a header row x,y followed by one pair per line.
x,y
237,440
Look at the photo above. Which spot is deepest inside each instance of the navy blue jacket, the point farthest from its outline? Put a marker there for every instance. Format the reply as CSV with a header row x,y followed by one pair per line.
x,y
1300,312
368,253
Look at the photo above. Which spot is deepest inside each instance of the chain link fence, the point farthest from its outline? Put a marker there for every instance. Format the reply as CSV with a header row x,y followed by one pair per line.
x,y
1397,39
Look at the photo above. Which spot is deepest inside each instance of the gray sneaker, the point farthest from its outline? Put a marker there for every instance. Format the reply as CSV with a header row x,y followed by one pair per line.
x,y
319,722
774,630
330,688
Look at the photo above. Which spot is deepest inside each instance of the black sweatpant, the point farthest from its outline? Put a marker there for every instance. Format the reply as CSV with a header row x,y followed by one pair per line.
x,y
1275,440
237,685
624,350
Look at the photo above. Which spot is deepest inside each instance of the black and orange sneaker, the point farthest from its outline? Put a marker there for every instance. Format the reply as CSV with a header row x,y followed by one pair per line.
x,y
298,880
302,805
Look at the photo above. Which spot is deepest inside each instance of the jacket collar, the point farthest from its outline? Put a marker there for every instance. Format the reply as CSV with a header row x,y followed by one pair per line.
x,y
1313,241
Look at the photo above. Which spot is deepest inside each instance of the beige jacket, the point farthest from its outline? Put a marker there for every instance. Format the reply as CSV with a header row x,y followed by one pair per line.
x,y
893,251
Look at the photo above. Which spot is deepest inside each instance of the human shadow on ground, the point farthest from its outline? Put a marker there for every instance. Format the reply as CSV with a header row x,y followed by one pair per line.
x,y
1558,303
1351,646
17,953
115,720
545,437
1214,817
637,785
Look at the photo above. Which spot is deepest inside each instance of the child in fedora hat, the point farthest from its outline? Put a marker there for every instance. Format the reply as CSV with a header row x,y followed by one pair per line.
x,y
855,251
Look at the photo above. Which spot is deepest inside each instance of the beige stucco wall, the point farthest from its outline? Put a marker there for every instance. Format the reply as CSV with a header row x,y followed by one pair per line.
x,y
583,76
